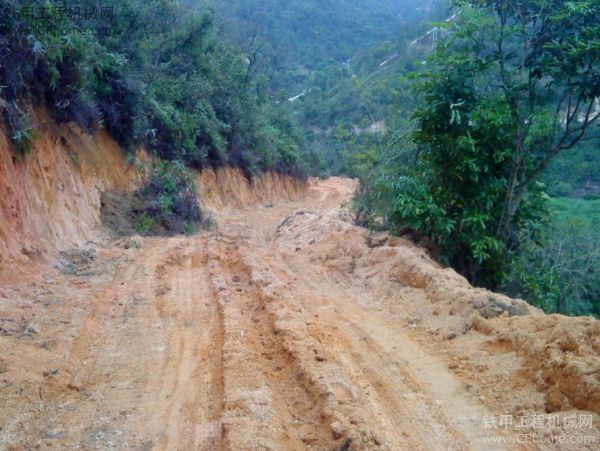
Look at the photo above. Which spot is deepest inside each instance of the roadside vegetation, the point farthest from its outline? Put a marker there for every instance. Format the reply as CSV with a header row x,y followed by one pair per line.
x,y
168,202
505,109
560,272
152,73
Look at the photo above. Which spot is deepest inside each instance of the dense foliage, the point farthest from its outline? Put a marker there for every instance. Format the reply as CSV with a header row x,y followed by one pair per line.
x,y
357,105
360,113
575,173
305,39
152,73
354,108
512,86
560,272
168,202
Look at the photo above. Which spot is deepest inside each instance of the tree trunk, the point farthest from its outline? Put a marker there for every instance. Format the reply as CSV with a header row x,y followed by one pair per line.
x,y
559,304
511,201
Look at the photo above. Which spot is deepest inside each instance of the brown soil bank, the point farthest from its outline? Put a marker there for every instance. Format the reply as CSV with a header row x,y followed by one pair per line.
x,y
287,327
50,199
229,188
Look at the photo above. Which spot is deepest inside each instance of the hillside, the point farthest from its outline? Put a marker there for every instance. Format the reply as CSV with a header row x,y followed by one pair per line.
x,y
303,40
369,123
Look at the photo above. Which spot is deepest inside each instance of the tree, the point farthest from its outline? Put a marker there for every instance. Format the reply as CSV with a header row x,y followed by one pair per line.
x,y
546,62
513,84
155,74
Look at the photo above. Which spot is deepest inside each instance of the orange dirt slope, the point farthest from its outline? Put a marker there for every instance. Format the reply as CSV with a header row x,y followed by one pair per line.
x,y
50,199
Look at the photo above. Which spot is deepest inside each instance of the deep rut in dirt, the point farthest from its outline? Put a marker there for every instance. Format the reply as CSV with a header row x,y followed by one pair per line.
x,y
267,403
196,392
366,387
402,375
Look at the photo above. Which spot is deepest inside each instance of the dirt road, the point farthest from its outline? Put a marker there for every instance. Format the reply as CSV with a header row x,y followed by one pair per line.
x,y
249,337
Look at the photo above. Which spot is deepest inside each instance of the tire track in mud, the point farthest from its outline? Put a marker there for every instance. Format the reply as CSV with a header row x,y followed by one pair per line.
x,y
193,368
391,395
145,366
438,410
92,369
268,398
355,405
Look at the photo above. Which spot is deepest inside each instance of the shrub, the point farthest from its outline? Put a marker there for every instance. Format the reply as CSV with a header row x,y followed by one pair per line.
x,y
168,203
144,224
561,273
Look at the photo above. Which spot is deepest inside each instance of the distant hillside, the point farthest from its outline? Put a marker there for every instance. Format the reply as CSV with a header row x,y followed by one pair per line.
x,y
301,37
358,107
576,173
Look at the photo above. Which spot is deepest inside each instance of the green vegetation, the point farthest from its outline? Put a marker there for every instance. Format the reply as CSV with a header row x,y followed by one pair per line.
x,y
304,41
354,108
576,173
497,101
358,115
405,187
168,203
156,74
568,209
560,272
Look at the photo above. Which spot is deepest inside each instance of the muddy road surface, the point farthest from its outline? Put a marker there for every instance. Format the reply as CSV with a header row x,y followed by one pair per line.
x,y
267,333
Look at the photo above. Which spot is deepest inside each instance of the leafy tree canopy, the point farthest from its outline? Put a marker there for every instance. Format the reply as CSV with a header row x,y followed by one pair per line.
x,y
513,85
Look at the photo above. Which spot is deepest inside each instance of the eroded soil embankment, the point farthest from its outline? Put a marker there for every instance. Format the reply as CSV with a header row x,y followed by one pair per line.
x,y
517,347
50,198
286,328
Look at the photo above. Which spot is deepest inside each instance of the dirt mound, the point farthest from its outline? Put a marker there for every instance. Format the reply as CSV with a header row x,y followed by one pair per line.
x,y
383,262
562,356
558,355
